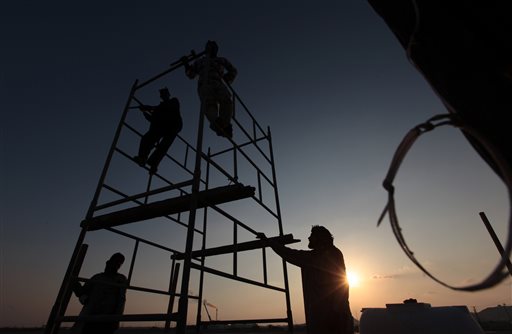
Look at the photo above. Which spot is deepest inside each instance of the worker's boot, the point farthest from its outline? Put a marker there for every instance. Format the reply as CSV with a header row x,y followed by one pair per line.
x,y
139,160
227,131
223,129
215,127
152,169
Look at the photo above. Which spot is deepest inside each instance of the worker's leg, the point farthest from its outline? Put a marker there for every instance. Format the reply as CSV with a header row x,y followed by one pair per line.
x,y
225,105
209,105
225,111
210,108
147,142
160,151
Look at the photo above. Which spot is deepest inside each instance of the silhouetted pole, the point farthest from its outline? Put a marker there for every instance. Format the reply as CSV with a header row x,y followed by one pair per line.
x,y
181,325
280,222
174,66
63,296
203,247
172,291
496,241
94,202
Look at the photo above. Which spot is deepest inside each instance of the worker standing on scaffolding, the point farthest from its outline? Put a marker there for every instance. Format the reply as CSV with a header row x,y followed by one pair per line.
x,y
165,124
215,97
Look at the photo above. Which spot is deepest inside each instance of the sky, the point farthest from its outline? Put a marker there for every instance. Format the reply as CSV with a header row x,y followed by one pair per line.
x,y
329,79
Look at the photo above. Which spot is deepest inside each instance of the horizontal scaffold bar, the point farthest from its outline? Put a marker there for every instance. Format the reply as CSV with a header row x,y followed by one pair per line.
x,y
169,206
243,246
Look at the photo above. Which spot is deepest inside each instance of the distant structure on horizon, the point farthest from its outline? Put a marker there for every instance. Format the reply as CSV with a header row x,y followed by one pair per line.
x,y
500,313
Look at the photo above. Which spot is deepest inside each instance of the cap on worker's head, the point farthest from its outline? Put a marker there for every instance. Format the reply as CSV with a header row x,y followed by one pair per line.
x,y
165,92
116,259
211,47
322,233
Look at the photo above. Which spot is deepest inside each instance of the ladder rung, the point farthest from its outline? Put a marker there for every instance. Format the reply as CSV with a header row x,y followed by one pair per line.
x,y
169,206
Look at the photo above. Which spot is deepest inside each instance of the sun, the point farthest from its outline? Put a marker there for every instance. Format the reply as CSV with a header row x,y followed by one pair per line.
x,y
353,279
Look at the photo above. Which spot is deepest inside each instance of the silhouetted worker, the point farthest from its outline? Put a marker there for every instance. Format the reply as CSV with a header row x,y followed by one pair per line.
x,y
215,97
165,124
103,294
324,283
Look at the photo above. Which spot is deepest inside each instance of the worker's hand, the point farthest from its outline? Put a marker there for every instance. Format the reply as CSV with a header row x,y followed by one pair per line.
x,y
76,288
228,78
83,299
184,60
144,108
261,236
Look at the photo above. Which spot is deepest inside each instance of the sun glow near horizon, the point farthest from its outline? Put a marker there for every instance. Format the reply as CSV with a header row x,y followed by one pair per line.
x,y
353,279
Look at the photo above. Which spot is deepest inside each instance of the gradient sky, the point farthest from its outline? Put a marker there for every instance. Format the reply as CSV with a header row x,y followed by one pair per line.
x,y
328,77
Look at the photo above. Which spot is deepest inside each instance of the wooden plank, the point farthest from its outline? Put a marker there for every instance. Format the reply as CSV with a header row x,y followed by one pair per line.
x,y
243,246
169,206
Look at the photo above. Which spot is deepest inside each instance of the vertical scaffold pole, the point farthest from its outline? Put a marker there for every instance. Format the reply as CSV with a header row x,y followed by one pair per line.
x,y
280,222
94,201
183,302
61,302
59,308
203,247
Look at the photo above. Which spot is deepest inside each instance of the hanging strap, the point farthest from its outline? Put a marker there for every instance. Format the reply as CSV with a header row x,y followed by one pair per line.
x,y
499,273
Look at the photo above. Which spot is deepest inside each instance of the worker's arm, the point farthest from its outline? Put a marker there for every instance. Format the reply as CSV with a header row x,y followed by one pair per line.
x,y
231,71
122,295
83,291
77,289
147,111
299,258
145,107
190,70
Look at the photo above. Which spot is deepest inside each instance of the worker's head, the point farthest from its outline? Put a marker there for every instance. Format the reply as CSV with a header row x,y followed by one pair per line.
x,y
320,237
114,263
211,48
165,94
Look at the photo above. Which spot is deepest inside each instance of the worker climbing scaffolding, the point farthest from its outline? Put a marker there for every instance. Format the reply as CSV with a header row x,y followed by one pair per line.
x,y
215,97
166,123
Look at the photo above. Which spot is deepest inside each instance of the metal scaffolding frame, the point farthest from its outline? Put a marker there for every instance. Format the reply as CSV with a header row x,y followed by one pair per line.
x,y
195,194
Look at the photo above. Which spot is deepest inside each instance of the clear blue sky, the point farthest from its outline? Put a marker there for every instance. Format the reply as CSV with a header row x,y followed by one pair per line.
x,y
330,80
